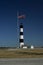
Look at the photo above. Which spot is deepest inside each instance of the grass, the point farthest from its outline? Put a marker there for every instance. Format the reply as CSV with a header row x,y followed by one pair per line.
x,y
21,53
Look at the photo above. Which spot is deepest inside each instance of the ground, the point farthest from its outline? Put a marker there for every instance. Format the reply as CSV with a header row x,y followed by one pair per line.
x,y
21,53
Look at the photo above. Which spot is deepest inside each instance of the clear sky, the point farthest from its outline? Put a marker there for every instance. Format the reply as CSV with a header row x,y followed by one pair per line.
x,y
33,23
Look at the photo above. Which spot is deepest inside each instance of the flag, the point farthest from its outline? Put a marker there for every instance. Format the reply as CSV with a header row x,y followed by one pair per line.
x,y
21,16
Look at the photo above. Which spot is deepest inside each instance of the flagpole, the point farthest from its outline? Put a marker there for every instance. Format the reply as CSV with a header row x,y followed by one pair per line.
x,y
17,29
18,23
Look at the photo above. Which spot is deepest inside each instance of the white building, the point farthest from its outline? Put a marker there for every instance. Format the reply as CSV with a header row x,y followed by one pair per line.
x,y
32,47
24,47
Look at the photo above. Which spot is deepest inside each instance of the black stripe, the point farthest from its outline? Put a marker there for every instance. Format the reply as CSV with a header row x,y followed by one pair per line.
x,y
21,26
21,33
21,40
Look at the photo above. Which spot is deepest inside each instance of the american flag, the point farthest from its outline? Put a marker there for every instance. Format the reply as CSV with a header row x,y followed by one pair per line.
x,y
21,16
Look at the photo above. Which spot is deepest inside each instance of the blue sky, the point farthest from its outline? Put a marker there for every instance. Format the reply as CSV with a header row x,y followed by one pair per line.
x,y
33,23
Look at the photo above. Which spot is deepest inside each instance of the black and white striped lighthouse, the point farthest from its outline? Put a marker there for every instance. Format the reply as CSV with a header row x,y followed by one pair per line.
x,y
21,40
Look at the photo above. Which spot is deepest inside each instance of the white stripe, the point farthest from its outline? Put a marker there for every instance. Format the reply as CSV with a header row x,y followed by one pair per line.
x,y
21,37
21,29
21,44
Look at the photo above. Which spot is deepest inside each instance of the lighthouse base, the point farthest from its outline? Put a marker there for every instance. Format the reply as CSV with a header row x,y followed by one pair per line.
x,y
21,45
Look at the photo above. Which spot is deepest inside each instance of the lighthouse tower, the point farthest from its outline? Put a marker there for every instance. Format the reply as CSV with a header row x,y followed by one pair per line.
x,y
21,40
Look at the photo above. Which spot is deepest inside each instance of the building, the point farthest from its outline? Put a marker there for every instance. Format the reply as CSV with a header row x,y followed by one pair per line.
x,y
25,47
32,47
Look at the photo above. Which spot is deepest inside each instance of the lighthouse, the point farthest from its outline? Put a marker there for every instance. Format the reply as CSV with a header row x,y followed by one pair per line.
x,y
21,39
